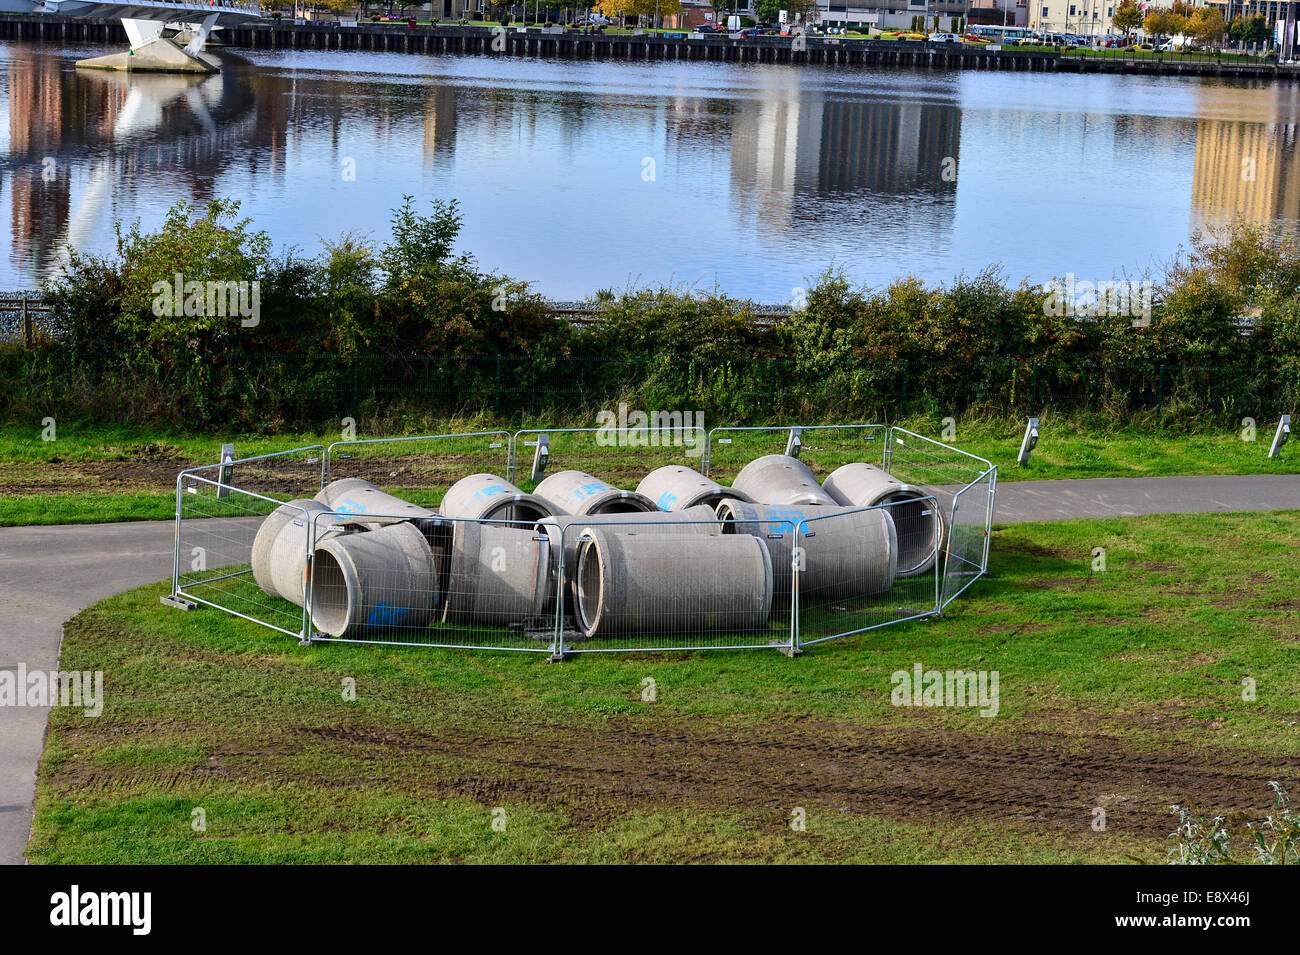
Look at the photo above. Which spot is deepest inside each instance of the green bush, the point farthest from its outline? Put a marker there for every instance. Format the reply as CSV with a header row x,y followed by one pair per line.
x,y
411,327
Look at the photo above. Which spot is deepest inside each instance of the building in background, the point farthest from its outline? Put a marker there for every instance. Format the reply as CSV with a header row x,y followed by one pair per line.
x,y
888,14
1007,13
1084,17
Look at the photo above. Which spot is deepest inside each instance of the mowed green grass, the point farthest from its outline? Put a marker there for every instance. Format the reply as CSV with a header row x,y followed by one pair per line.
x,y
206,711
97,474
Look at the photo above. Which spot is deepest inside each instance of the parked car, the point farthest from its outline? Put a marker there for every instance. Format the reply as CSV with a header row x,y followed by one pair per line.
x,y
944,38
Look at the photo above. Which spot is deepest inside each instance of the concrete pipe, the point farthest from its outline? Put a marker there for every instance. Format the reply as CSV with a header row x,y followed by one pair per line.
x,y
280,548
483,497
577,492
693,521
374,582
781,479
921,525
675,488
851,553
496,574
714,584
355,500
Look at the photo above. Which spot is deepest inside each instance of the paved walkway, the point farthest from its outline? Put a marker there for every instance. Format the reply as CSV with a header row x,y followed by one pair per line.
x,y
49,574
1128,497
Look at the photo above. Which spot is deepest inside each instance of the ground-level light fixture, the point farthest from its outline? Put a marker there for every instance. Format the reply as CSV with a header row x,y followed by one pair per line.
x,y
541,455
227,473
1029,443
794,443
1279,439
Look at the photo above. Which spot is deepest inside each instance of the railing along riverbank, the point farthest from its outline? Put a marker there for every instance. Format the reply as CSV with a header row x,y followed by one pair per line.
x,y
573,44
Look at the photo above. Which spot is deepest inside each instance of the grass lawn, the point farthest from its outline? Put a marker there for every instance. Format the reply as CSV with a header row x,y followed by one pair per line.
x,y
94,474
1118,690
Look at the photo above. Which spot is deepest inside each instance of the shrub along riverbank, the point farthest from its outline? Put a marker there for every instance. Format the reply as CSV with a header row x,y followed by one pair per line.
x,y
410,327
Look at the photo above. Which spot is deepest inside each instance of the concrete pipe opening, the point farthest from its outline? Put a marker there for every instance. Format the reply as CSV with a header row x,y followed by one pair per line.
x,y
710,585
781,479
847,554
485,497
577,492
375,582
358,501
280,548
498,574
921,526
676,487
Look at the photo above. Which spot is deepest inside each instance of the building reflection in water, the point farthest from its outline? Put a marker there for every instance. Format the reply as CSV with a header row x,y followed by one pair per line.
x,y
792,159
1247,167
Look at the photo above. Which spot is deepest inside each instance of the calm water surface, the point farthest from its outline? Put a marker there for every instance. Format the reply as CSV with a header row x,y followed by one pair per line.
x,y
581,175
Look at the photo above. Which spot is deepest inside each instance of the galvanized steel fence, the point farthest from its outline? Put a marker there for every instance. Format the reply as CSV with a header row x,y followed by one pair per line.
x,y
292,541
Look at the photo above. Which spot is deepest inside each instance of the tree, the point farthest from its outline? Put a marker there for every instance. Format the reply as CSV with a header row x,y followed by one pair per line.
x,y
1159,22
1207,26
769,11
801,10
638,8
1256,30
1127,17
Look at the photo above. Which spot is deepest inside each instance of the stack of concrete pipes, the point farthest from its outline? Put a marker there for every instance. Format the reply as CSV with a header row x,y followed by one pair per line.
x,y
680,553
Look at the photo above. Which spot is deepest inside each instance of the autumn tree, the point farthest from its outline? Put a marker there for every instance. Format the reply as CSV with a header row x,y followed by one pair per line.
x,y
1127,17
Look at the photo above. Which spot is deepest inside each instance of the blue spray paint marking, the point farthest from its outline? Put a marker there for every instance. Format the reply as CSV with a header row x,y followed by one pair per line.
x,y
386,616
783,517
349,507
666,501
489,491
592,489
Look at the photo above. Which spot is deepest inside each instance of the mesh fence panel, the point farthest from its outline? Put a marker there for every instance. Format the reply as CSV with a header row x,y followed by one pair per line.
x,y
433,582
822,447
617,455
970,525
640,584
419,469
848,568
216,535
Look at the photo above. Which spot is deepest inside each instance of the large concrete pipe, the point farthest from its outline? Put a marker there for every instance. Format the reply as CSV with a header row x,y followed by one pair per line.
x,y
699,520
577,492
374,582
354,500
921,525
676,487
846,555
485,497
497,574
781,479
280,547
644,584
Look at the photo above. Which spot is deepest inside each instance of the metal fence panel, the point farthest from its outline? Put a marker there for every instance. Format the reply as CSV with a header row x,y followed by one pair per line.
x,y
419,469
619,455
640,584
434,582
822,447
216,528
970,525
842,586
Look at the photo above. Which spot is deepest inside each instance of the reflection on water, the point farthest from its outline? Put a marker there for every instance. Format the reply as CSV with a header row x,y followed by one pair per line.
x,y
578,176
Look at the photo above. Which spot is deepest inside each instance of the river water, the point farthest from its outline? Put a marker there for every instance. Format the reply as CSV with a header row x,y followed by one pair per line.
x,y
577,176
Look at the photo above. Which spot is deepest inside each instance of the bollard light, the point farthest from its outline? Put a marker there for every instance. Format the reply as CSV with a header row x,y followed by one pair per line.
x,y
795,442
1029,443
540,456
1279,439
227,473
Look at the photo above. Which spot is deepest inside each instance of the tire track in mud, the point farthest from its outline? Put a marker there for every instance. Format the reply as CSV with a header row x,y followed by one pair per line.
x,y
596,774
